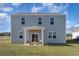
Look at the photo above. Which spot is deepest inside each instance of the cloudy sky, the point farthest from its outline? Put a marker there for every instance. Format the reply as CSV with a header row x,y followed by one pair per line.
x,y
6,9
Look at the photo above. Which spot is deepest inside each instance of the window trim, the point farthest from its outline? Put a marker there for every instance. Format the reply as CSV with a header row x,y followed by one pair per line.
x,y
21,20
52,34
21,34
42,20
50,19
35,33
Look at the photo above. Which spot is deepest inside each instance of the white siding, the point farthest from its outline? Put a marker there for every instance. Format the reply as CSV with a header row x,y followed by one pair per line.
x,y
31,20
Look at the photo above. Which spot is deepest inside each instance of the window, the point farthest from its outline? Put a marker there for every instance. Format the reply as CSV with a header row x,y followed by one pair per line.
x,y
50,34
40,21
21,35
52,21
54,35
22,21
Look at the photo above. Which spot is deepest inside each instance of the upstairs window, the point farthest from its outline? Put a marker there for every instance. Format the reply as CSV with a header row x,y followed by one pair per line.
x,y
22,21
40,21
51,21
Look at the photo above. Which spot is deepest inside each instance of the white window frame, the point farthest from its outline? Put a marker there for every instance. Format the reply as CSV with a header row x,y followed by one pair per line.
x,y
35,33
19,34
55,34
21,20
52,34
50,19
40,17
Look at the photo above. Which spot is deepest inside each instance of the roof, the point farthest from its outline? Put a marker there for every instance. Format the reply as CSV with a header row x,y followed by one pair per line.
x,y
38,14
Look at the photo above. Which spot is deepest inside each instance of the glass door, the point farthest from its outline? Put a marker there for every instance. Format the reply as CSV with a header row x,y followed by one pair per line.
x,y
34,37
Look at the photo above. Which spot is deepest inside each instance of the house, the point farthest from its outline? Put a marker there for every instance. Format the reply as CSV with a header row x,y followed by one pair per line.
x,y
39,28
75,32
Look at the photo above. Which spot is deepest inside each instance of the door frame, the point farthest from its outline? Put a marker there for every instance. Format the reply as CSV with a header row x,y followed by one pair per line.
x,y
35,33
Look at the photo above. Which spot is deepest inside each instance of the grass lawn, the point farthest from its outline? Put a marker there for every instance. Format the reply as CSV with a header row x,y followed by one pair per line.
x,y
8,49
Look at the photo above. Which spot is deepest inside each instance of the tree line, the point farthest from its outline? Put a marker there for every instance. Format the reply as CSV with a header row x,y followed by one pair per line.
x,y
5,34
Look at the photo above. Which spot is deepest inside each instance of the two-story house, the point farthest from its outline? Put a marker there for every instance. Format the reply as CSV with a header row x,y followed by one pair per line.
x,y
39,28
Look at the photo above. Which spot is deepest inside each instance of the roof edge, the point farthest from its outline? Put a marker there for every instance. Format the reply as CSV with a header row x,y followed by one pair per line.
x,y
38,14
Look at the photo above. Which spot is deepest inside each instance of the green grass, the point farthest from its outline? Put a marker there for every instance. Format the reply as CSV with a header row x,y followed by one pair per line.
x,y
8,49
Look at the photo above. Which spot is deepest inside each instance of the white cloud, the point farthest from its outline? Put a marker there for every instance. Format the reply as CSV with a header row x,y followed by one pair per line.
x,y
76,25
70,24
36,9
4,18
48,4
7,9
16,4
5,21
58,8
65,12
2,14
53,8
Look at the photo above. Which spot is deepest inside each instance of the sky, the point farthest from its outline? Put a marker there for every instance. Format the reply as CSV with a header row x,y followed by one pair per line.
x,y
71,10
